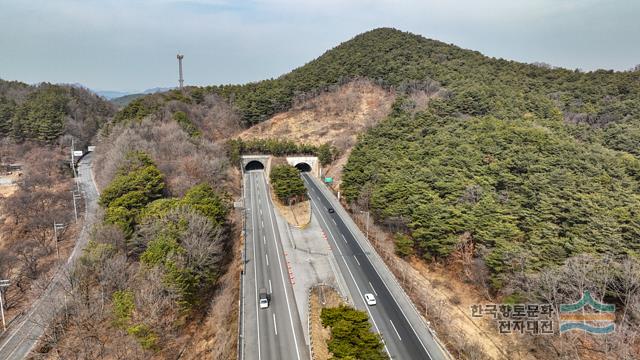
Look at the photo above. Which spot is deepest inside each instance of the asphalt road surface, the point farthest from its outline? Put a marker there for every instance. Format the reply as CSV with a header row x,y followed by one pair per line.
x,y
23,333
397,324
274,333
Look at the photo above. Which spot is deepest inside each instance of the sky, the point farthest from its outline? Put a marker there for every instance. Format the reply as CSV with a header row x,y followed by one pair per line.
x,y
131,45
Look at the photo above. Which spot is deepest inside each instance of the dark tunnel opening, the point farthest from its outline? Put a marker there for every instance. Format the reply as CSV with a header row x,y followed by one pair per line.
x,y
254,165
303,167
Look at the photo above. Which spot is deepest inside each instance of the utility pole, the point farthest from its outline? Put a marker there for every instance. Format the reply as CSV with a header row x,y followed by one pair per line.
x,y
367,226
181,80
73,164
3,284
76,196
56,227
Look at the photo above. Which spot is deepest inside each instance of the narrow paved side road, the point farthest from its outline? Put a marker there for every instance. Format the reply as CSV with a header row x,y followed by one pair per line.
x,y
23,334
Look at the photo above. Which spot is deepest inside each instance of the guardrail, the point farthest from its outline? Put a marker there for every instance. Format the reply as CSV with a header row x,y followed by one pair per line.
x,y
240,350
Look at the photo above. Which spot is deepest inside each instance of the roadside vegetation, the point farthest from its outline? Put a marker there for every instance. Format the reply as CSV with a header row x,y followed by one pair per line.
x,y
238,147
152,264
37,125
513,190
160,274
351,336
287,184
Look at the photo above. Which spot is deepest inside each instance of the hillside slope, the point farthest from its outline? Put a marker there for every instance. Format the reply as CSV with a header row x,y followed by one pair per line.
x,y
605,100
511,174
336,116
46,112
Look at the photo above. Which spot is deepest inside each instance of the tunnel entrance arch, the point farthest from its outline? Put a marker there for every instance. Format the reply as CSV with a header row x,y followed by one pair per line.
x,y
305,164
303,167
254,165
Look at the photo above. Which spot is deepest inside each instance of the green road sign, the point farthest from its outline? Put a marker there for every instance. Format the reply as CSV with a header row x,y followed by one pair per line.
x,y
328,180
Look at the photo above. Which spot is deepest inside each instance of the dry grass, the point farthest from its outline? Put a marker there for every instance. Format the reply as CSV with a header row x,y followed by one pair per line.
x,y
9,189
335,117
298,214
321,297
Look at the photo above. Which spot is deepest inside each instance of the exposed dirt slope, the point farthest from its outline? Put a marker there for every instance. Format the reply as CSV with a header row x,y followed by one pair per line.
x,y
336,117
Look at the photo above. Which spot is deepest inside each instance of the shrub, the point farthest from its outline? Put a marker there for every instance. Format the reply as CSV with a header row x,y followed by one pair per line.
x,y
146,337
123,306
206,202
404,245
186,124
351,337
287,183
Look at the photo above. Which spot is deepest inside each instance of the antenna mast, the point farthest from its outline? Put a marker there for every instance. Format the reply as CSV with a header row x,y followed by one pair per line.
x,y
180,57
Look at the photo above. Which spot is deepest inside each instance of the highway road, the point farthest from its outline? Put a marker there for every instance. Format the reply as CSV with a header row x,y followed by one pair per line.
x,y
274,333
396,320
22,335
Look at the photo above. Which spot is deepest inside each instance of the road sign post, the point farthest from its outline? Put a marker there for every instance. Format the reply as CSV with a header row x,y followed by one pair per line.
x,y
3,284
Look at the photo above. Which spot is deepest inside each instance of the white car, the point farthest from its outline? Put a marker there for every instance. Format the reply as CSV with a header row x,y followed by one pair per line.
x,y
264,303
370,299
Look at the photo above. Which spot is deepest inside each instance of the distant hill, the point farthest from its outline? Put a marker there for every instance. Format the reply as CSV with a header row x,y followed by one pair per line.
x,y
110,95
123,101
156,90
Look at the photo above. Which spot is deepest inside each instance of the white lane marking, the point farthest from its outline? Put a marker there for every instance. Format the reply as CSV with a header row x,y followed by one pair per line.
x,y
275,325
350,273
385,285
334,221
372,289
394,328
271,288
267,257
284,283
262,223
344,238
255,275
264,239
357,260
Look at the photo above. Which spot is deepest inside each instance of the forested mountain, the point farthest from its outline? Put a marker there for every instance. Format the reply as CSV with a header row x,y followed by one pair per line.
x,y
605,100
525,162
519,160
45,112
